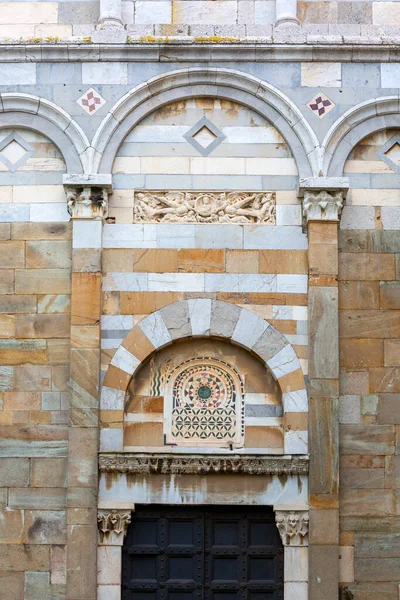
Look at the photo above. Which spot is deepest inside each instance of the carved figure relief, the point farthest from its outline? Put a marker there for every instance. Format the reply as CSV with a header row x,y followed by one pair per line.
x,y
205,404
204,207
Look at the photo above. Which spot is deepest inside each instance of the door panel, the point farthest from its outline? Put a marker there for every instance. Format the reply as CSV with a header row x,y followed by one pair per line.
x,y
202,553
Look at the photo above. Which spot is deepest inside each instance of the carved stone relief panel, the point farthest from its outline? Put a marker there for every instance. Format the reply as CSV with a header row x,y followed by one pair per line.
x,y
204,207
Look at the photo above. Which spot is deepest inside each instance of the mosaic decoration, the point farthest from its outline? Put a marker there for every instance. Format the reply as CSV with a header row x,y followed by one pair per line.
x,y
206,398
321,105
91,101
204,207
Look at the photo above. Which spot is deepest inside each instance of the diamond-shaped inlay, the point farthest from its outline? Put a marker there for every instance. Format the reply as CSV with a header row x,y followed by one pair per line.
x,y
390,153
91,101
15,151
204,136
321,105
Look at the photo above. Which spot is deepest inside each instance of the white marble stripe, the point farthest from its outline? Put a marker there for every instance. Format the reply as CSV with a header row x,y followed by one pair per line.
x,y
144,417
154,328
116,322
124,360
204,282
111,399
263,421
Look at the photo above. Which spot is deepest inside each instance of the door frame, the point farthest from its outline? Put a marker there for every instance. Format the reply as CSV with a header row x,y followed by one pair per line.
x,y
114,517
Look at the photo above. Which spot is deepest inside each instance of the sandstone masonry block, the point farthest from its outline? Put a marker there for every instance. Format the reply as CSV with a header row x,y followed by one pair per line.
x,y
12,255
42,281
45,526
45,254
369,266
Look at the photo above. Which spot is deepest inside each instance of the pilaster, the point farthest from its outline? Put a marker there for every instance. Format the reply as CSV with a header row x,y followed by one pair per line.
x,y
293,524
112,528
87,205
323,199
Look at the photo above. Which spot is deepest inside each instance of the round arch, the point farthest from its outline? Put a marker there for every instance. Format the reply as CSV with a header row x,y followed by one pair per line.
x,y
209,318
356,124
222,83
31,112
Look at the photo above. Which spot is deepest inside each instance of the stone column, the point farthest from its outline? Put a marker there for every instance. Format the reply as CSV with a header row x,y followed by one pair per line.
x,y
286,13
113,526
87,205
323,199
292,523
110,13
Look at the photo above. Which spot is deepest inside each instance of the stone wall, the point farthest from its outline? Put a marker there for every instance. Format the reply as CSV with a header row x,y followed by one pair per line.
x,y
35,273
369,303
51,21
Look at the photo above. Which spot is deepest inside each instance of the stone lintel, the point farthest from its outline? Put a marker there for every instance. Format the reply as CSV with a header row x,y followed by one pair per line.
x,y
201,465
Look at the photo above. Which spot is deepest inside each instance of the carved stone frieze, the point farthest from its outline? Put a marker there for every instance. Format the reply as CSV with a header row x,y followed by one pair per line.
x,y
113,522
204,207
87,202
322,205
293,527
201,465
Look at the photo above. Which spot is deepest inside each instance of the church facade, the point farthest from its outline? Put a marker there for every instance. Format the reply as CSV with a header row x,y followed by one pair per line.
x,y
199,300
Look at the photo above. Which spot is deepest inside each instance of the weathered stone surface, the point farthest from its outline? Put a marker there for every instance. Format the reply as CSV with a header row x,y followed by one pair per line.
x,y
323,436
15,352
43,326
84,386
86,260
45,527
376,569
82,460
19,303
374,502
81,564
7,281
366,266
14,472
48,472
12,585
324,526
11,527
176,319
323,306
384,380
41,231
37,498
360,353
38,587
6,378
223,319
58,573
324,577
54,303
48,254
369,241
42,281
369,323
21,557
383,545
390,294
362,478
12,255
389,409
22,400
361,295
31,378
366,439
391,353
86,296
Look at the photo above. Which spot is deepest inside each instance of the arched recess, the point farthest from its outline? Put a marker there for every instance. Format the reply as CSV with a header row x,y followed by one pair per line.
x,y
228,84
208,318
356,124
31,112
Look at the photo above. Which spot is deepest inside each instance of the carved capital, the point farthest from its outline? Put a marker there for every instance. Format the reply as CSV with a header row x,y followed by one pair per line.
x,y
322,205
87,202
292,526
113,525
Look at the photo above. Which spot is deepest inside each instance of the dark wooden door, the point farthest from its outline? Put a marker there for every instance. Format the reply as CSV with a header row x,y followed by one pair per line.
x,y
202,553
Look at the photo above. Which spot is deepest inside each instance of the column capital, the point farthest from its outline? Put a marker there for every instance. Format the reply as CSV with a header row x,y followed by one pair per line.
x,y
113,524
323,198
87,195
293,525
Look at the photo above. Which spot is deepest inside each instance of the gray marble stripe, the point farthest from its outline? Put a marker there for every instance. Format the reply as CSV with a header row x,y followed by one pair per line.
x,y
263,410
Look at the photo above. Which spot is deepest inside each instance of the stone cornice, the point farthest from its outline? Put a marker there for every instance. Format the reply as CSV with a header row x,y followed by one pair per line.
x,y
167,464
339,49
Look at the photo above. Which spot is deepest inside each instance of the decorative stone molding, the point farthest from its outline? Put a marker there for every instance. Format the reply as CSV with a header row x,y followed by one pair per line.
x,y
204,207
323,198
322,206
293,526
113,522
87,202
201,465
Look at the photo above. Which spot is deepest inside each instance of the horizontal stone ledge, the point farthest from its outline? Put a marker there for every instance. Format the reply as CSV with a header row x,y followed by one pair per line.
x,y
167,464
171,50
